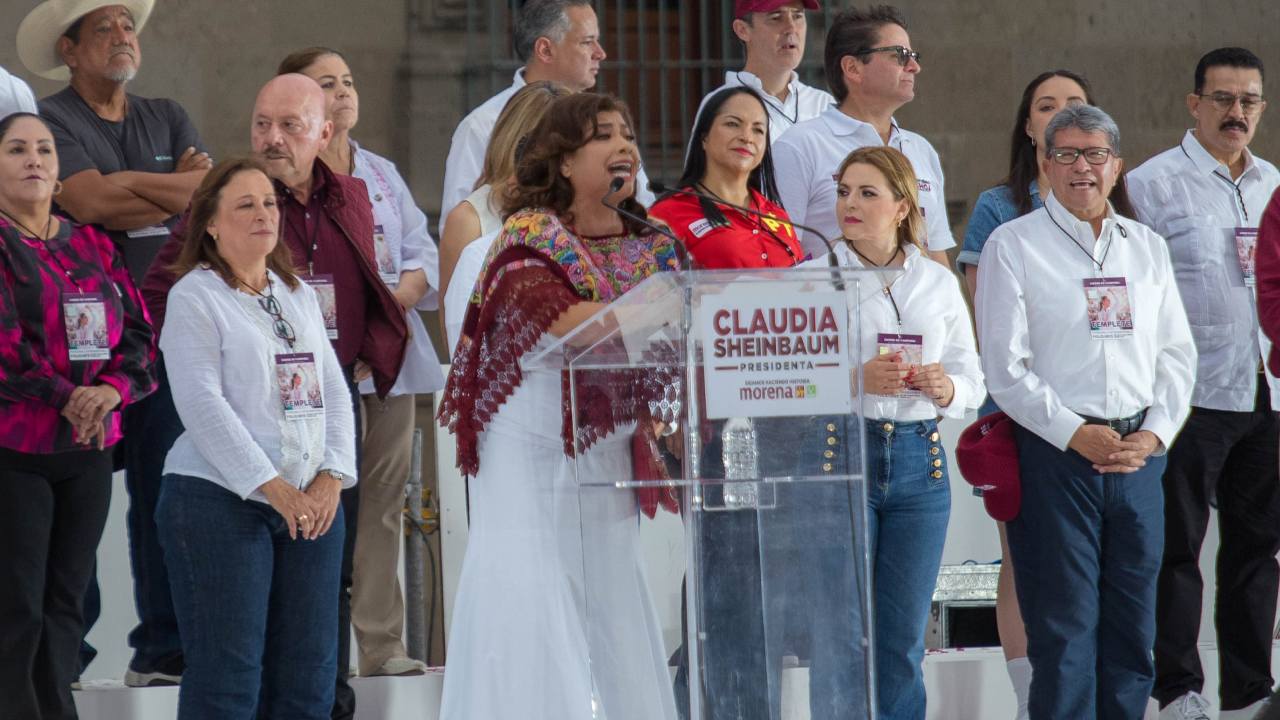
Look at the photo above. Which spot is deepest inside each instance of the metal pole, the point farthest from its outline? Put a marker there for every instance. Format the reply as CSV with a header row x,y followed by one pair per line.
x,y
415,549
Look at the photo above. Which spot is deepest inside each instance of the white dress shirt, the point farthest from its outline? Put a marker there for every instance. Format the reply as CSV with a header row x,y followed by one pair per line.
x,y
803,101
404,227
220,350
805,160
1043,366
1190,198
929,301
15,95
470,141
463,285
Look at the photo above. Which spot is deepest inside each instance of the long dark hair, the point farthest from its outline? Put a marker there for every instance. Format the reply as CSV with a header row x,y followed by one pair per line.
x,y
695,161
1024,156
199,247
567,125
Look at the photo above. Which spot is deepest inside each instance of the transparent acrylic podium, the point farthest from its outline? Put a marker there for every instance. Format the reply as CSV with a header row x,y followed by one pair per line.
x,y
746,594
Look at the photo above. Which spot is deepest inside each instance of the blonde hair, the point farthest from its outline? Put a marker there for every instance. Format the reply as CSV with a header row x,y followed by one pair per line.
x,y
517,119
898,172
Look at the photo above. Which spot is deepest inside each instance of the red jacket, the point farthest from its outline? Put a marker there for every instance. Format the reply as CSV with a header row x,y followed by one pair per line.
x,y
1268,277
347,204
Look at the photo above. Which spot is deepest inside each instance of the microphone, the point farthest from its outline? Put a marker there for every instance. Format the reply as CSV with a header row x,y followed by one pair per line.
x,y
659,189
686,260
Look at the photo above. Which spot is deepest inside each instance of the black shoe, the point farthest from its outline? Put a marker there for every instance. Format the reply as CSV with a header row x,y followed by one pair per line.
x,y
162,673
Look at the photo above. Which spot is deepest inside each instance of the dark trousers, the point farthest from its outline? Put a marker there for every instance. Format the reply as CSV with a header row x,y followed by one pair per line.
x,y
1086,551
344,698
1230,456
53,509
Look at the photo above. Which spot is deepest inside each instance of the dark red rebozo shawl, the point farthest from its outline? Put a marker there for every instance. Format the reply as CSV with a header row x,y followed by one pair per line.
x,y
537,269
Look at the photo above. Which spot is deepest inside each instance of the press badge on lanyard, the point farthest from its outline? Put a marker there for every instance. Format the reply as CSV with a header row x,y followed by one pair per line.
x,y
911,349
299,385
1110,314
84,316
382,253
323,285
1246,247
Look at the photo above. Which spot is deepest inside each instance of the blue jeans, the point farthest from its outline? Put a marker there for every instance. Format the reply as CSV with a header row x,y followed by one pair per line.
x,y
908,507
1086,552
255,609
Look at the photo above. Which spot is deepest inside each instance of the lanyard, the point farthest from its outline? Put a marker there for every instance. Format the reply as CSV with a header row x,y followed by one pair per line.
x,y
772,102
44,240
1098,262
887,291
311,241
1234,185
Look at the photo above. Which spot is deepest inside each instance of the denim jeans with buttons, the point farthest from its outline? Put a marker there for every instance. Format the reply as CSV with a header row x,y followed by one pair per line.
x,y
255,609
908,507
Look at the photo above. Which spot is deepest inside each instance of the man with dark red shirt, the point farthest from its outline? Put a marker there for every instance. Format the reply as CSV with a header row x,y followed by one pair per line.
x,y
327,223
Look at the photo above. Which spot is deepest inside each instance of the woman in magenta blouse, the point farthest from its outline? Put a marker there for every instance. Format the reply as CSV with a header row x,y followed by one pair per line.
x,y
75,347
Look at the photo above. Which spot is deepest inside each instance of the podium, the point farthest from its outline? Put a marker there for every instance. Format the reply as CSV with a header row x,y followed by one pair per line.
x,y
718,436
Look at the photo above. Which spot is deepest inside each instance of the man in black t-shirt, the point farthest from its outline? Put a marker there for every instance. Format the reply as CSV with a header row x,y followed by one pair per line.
x,y
130,165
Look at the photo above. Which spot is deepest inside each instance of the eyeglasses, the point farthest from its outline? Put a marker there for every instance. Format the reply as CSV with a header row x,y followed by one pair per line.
x,y
279,325
1093,155
1250,104
902,54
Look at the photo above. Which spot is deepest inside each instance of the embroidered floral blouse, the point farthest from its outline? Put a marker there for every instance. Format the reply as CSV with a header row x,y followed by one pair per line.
x,y
37,375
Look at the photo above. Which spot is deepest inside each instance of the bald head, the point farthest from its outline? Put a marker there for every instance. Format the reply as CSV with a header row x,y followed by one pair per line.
x,y
289,128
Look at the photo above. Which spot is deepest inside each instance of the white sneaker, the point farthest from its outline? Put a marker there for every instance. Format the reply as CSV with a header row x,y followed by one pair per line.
x,y
401,666
1192,706
1245,713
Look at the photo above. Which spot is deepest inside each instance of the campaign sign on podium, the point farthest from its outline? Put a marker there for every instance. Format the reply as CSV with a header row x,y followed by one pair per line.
x,y
718,453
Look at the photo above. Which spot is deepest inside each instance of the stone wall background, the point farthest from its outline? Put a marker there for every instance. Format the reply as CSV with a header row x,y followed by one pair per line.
x,y
212,57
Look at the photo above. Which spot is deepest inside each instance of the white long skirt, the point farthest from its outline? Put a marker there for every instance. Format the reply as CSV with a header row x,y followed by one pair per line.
x,y
541,630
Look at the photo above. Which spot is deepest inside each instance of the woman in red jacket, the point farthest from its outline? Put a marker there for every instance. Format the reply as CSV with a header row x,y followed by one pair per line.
x,y
728,159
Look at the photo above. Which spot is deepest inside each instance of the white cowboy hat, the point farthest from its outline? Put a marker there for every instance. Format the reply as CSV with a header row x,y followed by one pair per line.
x,y
40,29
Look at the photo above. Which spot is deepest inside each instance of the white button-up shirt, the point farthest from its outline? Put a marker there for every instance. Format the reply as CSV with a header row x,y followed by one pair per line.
x,y
470,141
404,227
1189,197
220,349
1043,366
806,158
803,101
929,301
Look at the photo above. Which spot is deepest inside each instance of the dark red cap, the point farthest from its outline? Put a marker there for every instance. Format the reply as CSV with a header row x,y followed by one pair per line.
x,y
987,454
742,7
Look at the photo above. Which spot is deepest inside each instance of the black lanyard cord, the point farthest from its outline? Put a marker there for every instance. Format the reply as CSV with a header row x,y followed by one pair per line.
x,y
773,103
1234,185
887,291
44,239
1105,252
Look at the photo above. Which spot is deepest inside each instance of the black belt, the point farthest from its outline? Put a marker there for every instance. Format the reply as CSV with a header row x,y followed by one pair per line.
x,y
1123,426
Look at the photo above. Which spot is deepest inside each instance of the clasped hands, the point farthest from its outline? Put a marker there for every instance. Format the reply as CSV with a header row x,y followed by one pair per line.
x,y
888,375
309,513
1111,453
87,410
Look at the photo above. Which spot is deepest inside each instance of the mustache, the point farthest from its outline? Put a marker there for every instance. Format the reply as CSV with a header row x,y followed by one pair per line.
x,y
122,49
1229,124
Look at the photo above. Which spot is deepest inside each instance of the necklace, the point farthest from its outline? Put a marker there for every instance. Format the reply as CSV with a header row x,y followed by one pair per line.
x,y
888,292
30,233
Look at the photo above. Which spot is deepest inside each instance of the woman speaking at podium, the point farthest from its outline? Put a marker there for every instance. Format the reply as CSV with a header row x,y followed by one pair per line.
x,y
920,362
520,635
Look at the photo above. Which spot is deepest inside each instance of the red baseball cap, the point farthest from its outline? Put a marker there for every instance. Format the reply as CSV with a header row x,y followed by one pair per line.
x,y
987,454
742,7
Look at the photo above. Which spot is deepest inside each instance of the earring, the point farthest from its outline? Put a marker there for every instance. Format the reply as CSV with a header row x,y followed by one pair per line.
x,y
1033,142
57,187
213,235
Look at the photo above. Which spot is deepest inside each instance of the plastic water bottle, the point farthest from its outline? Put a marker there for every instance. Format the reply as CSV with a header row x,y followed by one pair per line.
x,y
741,462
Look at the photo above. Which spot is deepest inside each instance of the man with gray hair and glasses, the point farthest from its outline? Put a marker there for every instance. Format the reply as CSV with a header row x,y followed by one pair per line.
x,y
1095,405
559,41
1206,196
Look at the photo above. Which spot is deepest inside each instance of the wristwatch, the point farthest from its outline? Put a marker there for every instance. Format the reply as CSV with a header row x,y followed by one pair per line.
x,y
340,477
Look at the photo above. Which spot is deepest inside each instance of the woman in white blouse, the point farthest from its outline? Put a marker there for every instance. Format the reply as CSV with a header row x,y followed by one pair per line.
x,y
249,512
920,362
408,263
